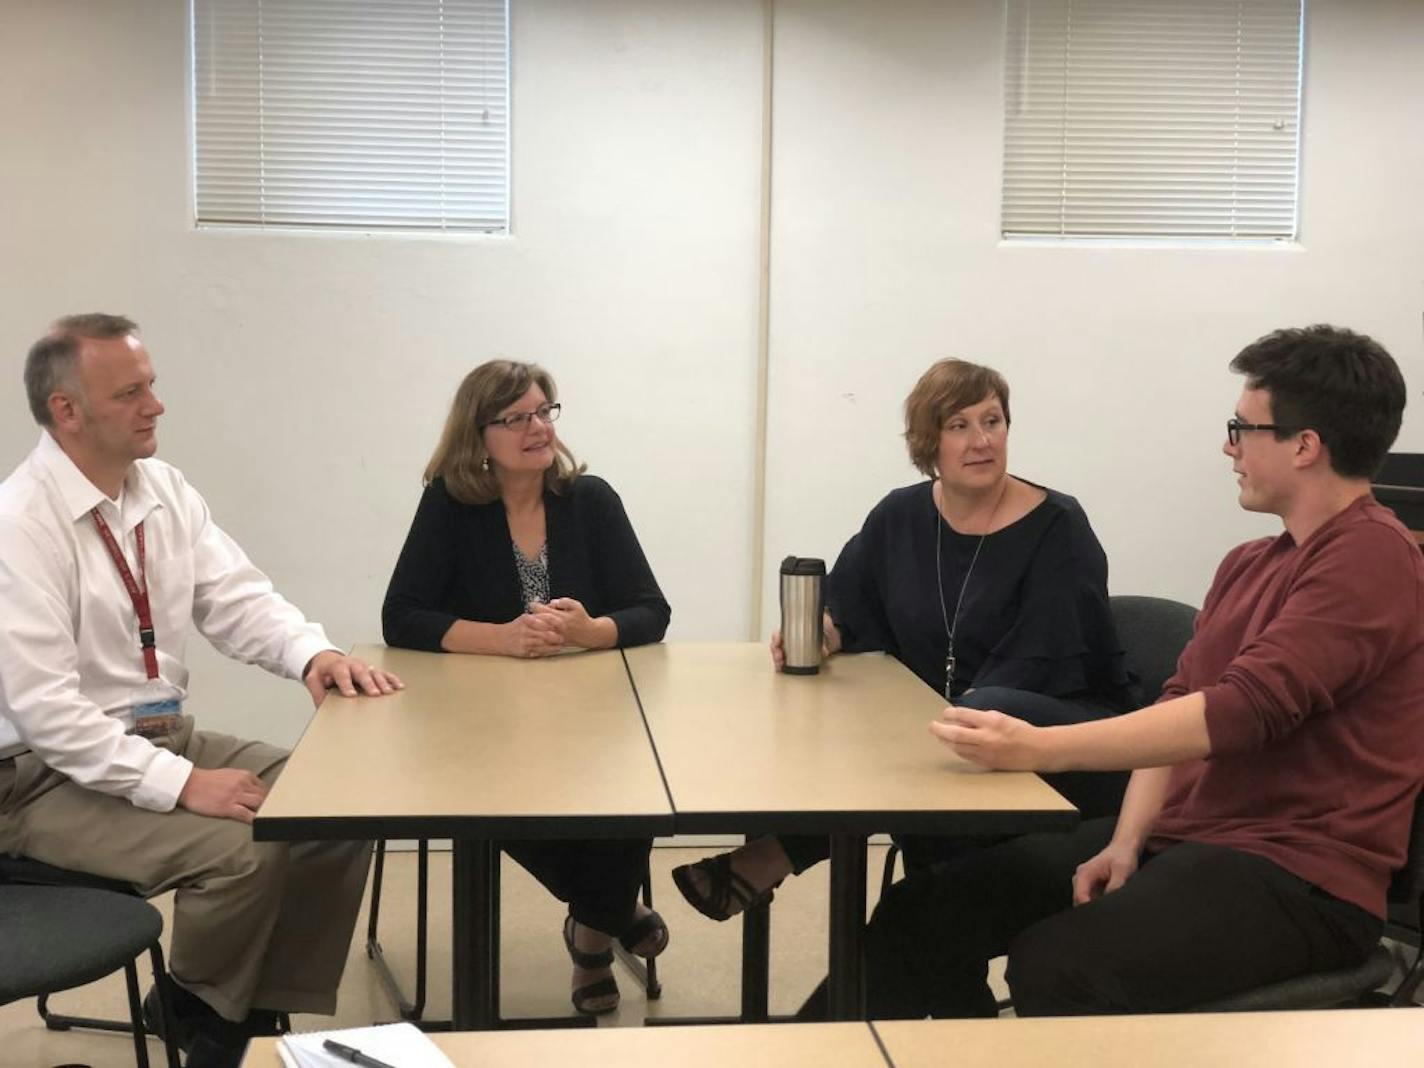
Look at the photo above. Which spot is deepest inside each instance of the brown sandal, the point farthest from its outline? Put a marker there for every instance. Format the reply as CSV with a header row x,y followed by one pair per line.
x,y
642,930
586,998
725,888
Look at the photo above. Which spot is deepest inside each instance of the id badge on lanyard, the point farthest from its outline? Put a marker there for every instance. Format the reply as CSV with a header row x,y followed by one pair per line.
x,y
157,709
156,706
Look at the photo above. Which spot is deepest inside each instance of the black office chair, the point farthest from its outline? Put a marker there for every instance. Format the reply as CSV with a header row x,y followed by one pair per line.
x,y
1153,632
57,937
645,973
1403,927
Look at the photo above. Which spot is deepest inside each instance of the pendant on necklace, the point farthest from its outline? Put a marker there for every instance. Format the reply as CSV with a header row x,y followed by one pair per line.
x,y
949,674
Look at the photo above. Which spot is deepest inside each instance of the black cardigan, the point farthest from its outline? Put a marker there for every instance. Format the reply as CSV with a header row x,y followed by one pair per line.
x,y
458,563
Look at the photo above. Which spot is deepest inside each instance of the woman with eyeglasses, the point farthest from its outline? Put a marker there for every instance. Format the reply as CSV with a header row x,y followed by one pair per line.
x,y
515,551
991,589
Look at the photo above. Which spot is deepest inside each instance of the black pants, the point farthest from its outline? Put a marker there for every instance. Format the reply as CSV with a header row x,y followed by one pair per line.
x,y
1195,923
1093,793
598,878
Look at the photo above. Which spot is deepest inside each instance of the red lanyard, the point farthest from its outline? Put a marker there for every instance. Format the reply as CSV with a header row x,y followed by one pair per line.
x,y
139,595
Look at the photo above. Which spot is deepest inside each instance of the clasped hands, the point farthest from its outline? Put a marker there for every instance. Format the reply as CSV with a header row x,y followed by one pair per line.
x,y
546,629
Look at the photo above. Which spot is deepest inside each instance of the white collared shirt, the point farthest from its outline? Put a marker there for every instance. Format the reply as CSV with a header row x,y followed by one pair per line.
x,y
70,662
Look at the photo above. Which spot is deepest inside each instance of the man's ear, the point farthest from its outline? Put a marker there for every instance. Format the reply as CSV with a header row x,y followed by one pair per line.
x,y
1310,449
64,410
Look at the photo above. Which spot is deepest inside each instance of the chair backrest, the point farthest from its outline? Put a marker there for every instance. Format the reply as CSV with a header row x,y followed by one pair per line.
x,y
1153,632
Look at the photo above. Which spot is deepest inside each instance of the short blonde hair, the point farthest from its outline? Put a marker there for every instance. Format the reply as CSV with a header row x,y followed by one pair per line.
x,y
461,457
947,387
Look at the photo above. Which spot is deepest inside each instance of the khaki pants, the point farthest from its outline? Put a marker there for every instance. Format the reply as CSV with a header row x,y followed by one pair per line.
x,y
255,924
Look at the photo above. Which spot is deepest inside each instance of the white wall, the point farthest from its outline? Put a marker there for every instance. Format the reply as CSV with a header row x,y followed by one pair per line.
x,y
886,256
306,375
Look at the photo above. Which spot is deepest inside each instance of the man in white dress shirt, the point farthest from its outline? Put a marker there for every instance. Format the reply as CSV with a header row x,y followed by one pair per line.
x,y
105,556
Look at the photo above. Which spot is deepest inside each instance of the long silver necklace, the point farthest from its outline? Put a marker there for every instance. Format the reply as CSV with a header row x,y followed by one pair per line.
x,y
951,627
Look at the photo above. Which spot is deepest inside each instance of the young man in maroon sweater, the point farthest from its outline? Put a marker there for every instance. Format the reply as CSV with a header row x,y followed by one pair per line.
x,y
1276,775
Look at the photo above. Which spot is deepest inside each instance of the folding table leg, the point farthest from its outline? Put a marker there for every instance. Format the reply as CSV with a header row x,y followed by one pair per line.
x,y
473,931
846,982
756,962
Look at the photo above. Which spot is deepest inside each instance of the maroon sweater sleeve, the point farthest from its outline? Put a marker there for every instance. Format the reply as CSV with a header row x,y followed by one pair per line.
x,y
1337,628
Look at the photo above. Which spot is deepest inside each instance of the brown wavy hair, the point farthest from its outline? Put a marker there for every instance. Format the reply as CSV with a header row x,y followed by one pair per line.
x,y
461,458
947,387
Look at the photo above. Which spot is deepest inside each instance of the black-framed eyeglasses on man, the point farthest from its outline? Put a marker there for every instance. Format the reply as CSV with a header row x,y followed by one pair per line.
x,y
1235,427
547,413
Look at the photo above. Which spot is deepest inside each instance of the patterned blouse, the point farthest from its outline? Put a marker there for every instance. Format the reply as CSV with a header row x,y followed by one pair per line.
x,y
533,574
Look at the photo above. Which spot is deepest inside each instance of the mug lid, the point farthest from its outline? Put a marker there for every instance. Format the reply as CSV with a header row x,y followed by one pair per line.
x,y
803,565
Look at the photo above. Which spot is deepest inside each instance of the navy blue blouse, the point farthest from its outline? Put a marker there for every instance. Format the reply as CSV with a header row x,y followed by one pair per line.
x,y
1035,614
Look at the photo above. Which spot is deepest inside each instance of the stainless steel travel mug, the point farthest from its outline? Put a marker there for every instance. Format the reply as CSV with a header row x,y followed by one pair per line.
x,y
803,582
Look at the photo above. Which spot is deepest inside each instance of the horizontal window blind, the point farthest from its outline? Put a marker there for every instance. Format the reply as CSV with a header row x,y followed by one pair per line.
x,y
1152,118
352,114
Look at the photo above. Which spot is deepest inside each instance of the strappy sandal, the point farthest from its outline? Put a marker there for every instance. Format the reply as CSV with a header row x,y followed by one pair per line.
x,y
589,998
643,930
724,888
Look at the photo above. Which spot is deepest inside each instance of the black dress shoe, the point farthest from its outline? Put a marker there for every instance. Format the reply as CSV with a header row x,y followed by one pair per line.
x,y
208,1040
215,1051
264,1023
184,1030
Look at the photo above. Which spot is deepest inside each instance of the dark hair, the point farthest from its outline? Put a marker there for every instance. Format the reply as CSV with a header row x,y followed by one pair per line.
x,y
49,365
461,456
947,387
1341,384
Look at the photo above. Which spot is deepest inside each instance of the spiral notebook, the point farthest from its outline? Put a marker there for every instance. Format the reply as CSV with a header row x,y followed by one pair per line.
x,y
400,1045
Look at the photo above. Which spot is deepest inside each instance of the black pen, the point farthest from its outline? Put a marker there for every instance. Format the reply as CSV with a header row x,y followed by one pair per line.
x,y
354,1055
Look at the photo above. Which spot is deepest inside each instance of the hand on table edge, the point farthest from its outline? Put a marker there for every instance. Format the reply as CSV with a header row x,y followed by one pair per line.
x,y
1166,733
349,675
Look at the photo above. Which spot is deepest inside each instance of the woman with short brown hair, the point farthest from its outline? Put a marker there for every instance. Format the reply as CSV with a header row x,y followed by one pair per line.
x,y
990,588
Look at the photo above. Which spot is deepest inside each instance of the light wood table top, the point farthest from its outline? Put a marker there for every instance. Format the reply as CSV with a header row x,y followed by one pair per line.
x,y
796,753
831,1045
1337,1038
475,745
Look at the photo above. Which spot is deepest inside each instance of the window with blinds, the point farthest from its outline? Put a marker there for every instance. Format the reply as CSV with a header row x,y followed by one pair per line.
x,y
1152,119
352,114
